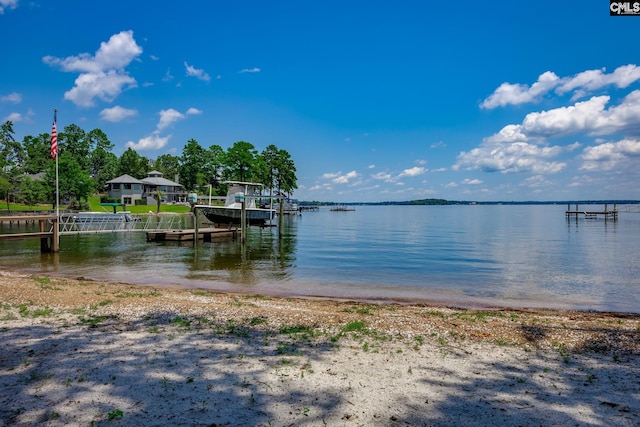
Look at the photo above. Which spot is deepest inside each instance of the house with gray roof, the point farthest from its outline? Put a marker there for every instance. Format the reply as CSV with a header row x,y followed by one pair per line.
x,y
128,189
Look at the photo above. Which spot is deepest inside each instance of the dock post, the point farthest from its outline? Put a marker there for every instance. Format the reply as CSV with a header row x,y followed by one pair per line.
x,y
45,243
280,217
243,219
195,226
55,240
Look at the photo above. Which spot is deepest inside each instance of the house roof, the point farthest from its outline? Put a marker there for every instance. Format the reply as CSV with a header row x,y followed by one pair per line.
x,y
158,180
124,179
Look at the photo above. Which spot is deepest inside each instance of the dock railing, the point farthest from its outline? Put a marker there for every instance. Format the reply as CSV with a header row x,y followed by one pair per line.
x,y
607,214
73,224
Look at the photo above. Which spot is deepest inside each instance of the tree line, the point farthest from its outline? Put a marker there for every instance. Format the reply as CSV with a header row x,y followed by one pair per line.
x,y
86,162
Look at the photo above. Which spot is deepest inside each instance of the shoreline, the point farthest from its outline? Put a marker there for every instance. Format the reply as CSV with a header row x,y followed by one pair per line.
x,y
83,352
441,301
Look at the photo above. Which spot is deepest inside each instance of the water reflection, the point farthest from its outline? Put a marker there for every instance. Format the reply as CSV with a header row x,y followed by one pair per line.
x,y
263,257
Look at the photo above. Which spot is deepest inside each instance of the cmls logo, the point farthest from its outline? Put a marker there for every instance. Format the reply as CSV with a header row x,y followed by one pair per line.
x,y
624,8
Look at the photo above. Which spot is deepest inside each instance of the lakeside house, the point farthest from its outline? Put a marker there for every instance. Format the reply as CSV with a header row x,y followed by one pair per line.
x,y
128,189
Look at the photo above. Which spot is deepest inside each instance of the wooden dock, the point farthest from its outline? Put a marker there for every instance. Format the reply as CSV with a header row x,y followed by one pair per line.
x,y
606,213
204,234
49,239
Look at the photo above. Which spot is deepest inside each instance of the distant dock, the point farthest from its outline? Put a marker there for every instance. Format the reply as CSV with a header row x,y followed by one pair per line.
x,y
204,234
606,213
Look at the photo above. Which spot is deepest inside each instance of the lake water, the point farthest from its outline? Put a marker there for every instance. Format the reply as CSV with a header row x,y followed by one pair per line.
x,y
472,256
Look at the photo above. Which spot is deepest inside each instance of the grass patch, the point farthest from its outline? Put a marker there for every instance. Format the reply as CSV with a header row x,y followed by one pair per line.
x,y
435,313
129,294
116,414
479,316
42,312
259,320
356,326
182,322
94,321
297,329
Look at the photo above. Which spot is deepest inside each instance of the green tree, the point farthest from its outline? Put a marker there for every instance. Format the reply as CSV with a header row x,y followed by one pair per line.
x,y
11,159
168,165
278,170
241,162
132,163
191,165
215,165
5,188
11,154
103,164
74,182
37,153
33,192
74,142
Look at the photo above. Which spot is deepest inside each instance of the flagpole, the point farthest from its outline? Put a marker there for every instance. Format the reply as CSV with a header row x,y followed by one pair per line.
x,y
55,123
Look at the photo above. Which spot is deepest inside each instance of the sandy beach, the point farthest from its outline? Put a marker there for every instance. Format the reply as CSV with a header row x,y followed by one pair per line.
x,y
86,353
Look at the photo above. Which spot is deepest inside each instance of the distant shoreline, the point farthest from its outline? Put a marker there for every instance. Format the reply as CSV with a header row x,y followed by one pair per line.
x,y
443,202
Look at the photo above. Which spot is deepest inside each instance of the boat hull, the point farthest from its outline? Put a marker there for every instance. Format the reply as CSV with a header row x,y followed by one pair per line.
x,y
226,215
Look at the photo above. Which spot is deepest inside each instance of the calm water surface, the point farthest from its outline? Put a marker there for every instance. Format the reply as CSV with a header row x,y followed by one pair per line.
x,y
519,256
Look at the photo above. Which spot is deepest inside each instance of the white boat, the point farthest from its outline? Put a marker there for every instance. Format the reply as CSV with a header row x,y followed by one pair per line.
x,y
98,221
101,217
231,212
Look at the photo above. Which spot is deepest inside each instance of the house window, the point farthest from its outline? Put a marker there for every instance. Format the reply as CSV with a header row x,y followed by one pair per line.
x,y
136,187
115,186
126,200
127,186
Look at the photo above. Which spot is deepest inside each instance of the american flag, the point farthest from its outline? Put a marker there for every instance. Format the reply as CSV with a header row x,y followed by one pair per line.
x,y
54,142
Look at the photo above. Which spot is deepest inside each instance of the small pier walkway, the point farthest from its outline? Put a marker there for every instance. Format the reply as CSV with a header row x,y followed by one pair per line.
x,y
606,213
49,240
204,234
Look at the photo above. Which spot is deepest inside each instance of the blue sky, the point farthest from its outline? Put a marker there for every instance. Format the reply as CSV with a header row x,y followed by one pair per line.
x,y
375,100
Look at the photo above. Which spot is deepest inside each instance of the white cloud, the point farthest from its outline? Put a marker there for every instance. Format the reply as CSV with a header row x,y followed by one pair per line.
x,y
169,117
591,80
19,117
610,155
371,166
383,176
167,76
330,175
103,75
13,117
589,116
510,158
516,94
415,171
250,70
13,97
509,133
580,84
7,4
105,86
468,181
117,114
344,179
150,142
580,117
197,73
